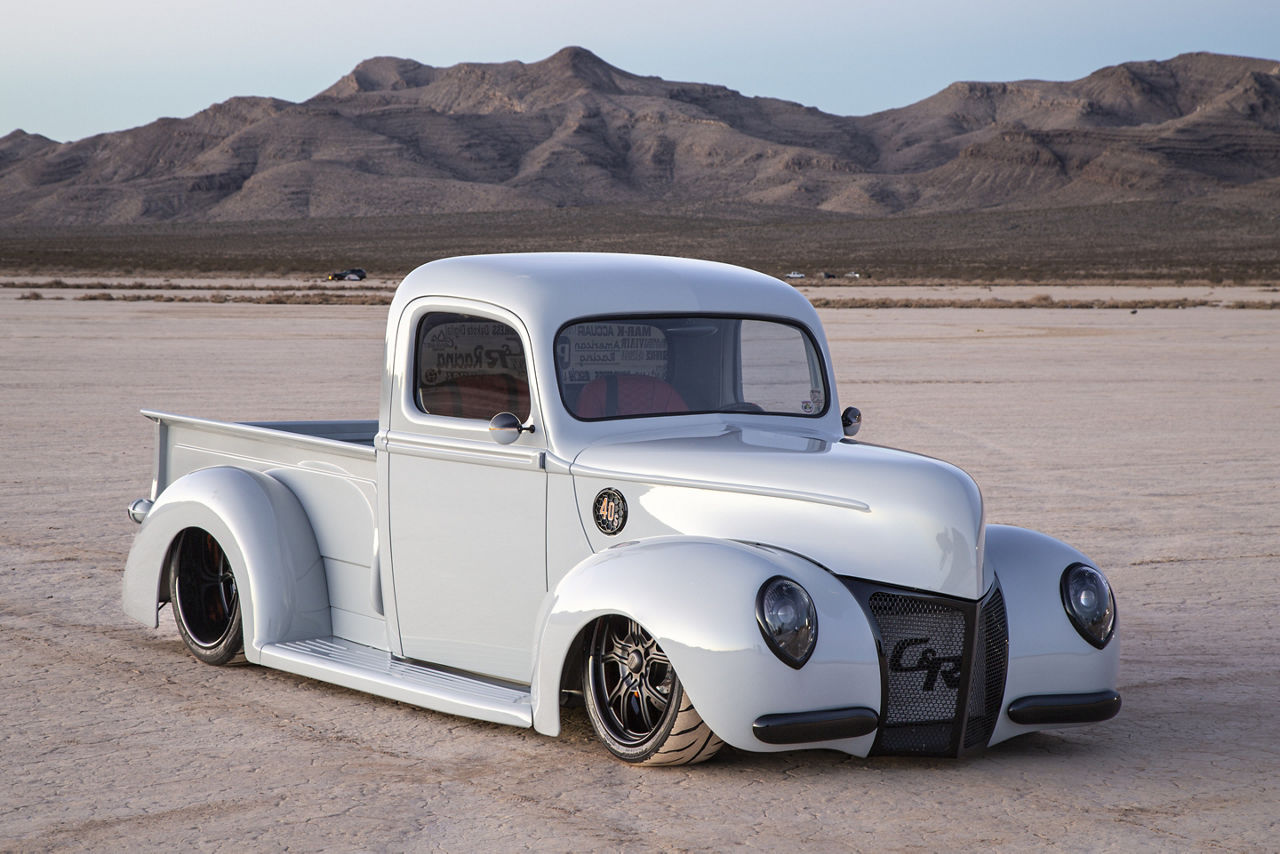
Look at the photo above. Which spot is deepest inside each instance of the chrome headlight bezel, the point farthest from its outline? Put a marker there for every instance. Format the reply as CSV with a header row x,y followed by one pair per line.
x,y
1089,602
791,634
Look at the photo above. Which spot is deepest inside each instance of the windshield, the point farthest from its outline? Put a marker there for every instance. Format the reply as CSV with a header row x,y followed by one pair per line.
x,y
632,367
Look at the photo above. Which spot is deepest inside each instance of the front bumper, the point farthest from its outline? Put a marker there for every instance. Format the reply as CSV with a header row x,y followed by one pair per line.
x,y
1063,709
943,665
825,725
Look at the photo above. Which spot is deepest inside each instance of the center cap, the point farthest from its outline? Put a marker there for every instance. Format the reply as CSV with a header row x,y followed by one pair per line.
x,y
635,661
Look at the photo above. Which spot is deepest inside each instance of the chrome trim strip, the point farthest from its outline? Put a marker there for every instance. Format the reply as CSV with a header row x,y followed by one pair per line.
x,y
580,470
486,452
268,434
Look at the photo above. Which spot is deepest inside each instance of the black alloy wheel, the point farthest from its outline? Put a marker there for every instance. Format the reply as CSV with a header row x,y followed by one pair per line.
x,y
635,700
206,600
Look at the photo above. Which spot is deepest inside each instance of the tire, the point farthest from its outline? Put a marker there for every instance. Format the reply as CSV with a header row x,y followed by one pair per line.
x,y
635,701
205,598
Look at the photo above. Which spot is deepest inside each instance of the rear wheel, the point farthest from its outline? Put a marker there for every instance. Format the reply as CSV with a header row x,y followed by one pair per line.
x,y
635,700
205,598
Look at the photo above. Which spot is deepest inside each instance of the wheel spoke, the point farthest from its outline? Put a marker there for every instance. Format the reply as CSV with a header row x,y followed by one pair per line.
x,y
615,649
618,690
658,658
653,696
626,709
207,589
227,584
645,711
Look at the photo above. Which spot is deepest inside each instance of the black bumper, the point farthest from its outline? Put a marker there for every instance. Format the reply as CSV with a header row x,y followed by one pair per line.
x,y
825,725
1050,709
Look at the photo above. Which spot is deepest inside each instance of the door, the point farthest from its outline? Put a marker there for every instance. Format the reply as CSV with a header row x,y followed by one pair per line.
x,y
467,515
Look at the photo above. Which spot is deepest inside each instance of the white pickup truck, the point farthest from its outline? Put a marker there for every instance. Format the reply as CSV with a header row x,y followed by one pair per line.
x,y
624,480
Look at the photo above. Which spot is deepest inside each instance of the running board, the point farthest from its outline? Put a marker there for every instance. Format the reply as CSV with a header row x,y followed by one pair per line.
x,y
363,668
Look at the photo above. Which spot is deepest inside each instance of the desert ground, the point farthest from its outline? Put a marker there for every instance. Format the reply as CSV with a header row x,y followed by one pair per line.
x,y
1146,439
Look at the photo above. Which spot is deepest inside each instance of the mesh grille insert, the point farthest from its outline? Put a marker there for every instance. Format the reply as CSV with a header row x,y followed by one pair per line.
x,y
944,668
988,672
924,649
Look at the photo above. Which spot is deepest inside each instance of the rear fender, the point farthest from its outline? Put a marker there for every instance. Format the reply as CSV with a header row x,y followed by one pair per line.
x,y
266,536
697,597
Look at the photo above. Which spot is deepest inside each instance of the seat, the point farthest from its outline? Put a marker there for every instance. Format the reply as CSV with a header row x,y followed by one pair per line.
x,y
615,395
478,396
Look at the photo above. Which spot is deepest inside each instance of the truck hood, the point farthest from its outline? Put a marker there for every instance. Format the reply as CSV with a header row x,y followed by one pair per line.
x,y
859,510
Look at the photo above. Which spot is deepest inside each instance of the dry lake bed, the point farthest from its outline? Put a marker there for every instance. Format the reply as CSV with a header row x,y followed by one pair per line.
x,y
1150,440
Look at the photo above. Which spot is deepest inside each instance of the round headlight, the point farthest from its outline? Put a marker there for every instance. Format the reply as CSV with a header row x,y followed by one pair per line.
x,y
787,619
1089,602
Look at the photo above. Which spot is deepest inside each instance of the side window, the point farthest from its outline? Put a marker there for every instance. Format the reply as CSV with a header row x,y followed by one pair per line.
x,y
470,367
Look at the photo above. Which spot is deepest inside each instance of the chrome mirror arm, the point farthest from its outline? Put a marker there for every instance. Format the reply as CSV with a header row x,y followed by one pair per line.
x,y
505,428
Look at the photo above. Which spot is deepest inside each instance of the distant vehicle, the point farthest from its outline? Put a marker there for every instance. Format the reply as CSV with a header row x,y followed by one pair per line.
x,y
355,274
852,275
795,274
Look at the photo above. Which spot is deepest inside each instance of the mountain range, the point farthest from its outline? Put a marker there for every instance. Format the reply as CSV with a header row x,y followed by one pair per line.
x,y
398,137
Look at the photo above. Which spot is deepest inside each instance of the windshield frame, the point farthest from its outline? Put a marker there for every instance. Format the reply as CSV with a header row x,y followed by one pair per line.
x,y
819,362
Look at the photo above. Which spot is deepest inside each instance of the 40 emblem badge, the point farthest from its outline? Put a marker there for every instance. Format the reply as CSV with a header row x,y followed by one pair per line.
x,y
610,511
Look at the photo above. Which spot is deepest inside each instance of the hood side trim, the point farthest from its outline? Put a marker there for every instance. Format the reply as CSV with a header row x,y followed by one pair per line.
x,y
580,470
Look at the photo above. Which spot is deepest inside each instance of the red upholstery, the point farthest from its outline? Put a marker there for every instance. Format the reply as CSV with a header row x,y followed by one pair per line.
x,y
635,395
478,396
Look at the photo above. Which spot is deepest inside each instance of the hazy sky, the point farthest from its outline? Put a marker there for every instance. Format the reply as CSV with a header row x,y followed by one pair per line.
x,y
72,68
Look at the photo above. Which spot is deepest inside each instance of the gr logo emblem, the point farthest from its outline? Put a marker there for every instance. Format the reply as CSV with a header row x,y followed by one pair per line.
x,y
610,511
927,661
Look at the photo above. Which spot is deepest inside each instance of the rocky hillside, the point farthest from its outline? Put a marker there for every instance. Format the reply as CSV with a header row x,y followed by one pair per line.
x,y
398,137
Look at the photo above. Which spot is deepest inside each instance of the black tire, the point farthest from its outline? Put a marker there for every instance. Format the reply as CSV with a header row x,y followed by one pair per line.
x,y
635,701
205,598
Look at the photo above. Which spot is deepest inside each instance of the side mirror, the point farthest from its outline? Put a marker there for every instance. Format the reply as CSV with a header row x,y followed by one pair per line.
x,y
851,418
505,428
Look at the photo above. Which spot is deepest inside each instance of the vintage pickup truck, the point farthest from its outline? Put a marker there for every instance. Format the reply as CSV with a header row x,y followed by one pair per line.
x,y
625,481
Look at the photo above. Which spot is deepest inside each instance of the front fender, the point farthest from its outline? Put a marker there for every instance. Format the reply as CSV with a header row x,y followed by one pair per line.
x,y
696,596
1047,656
266,536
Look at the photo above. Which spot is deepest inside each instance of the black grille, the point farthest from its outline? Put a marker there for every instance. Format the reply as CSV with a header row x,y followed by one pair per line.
x,y
923,644
943,667
988,672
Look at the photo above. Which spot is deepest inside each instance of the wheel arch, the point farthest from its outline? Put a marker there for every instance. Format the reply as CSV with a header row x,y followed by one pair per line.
x,y
265,534
696,596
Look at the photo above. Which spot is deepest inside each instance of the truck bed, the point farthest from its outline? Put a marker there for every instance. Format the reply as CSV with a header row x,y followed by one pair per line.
x,y
329,465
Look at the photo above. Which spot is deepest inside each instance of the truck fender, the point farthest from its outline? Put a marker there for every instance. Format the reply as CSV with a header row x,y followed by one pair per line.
x,y
697,597
266,536
1047,656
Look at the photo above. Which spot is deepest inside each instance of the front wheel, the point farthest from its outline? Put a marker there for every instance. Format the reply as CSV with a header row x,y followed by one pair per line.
x,y
205,598
635,701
